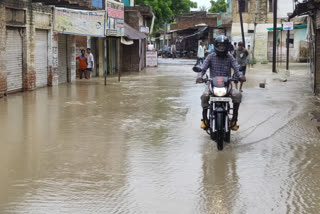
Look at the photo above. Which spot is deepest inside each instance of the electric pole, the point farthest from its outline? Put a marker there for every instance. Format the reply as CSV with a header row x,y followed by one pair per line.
x,y
274,58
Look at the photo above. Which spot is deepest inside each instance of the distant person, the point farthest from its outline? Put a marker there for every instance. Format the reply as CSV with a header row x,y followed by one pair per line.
x,y
211,48
241,55
82,63
90,63
200,55
235,45
231,49
250,57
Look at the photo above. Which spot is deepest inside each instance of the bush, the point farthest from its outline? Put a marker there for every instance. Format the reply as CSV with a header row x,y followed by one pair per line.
x,y
264,62
254,61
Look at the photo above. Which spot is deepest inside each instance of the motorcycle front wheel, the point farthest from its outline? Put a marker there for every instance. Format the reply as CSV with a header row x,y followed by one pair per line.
x,y
219,140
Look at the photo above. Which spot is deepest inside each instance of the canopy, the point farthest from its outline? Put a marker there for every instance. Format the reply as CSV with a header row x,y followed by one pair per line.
x,y
132,33
294,27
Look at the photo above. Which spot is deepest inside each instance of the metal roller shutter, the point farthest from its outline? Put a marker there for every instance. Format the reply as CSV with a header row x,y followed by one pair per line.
x,y
42,57
14,60
62,58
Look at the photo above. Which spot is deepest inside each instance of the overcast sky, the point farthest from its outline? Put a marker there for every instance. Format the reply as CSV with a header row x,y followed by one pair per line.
x,y
203,3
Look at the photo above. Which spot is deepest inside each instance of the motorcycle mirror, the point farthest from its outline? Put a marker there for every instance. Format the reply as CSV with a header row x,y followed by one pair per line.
x,y
196,69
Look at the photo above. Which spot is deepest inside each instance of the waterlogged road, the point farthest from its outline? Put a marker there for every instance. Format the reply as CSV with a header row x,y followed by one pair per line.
x,y
136,147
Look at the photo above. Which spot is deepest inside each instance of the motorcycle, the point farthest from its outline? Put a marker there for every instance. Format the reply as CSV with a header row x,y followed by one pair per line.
x,y
219,127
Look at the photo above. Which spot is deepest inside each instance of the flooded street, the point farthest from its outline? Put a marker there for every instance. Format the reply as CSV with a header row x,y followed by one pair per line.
x,y
137,147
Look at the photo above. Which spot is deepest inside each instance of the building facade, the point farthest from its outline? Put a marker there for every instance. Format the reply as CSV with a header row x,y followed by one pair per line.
x,y
25,46
258,28
311,8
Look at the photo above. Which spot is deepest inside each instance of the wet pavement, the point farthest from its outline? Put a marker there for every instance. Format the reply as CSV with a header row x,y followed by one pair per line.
x,y
137,147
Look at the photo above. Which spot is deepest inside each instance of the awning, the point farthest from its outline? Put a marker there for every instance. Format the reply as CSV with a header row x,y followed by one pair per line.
x,y
196,33
126,41
294,27
132,33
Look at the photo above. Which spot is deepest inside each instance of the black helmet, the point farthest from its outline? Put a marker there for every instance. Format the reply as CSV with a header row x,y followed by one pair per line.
x,y
221,45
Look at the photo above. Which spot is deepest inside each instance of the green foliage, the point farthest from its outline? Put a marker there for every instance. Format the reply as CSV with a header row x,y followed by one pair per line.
x,y
218,6
164,10
264,62
203,8
254,61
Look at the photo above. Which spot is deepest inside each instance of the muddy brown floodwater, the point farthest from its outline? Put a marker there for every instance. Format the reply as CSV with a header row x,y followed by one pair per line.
x,y
136,147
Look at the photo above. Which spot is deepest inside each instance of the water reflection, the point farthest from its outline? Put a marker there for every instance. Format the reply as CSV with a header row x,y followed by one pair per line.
x,y
136,147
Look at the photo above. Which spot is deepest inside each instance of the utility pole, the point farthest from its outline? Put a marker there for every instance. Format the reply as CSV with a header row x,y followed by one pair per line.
x,y
274,58
241,7
164,34
288,37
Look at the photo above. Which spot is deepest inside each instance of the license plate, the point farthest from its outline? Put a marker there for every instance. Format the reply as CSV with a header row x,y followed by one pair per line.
x,y
220,99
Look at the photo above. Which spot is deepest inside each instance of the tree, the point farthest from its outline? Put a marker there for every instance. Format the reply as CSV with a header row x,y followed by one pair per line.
x,y
203,8
218,6
165,10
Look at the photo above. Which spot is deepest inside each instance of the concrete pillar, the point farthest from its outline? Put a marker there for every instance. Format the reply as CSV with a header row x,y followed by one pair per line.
x,y
101,49
29,48
71,58
3,54
53,78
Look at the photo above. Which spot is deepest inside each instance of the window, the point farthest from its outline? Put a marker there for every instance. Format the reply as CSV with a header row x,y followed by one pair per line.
x,y
243,5
270,6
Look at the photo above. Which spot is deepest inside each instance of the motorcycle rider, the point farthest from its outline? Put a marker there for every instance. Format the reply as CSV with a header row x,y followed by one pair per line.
x,y
220,63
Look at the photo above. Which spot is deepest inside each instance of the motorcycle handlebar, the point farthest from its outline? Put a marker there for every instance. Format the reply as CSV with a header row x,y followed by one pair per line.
x,y
207,80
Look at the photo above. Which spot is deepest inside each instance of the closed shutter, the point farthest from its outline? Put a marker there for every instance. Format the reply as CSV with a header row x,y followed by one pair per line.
x,y
14,60
42,57
62,58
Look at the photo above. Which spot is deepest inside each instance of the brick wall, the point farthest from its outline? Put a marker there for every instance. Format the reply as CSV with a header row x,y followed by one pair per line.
x,y
130,57
132,18
184,23
317,71
3,55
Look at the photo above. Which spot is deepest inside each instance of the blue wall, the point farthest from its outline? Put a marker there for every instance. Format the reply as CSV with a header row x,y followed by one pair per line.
x,y
97,3
126,2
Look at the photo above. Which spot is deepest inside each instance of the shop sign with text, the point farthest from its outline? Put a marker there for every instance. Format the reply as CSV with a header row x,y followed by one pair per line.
x,y
115,18
79,22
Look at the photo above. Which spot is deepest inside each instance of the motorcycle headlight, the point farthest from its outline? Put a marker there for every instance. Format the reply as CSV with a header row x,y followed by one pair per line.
x,y
219,92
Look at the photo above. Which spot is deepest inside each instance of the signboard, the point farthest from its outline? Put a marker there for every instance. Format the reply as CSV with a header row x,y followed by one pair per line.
x,y
152,59
79,22
144,29
287,25
115,18
97,3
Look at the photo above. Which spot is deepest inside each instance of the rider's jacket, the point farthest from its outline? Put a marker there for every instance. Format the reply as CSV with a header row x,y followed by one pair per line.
x,y
220,66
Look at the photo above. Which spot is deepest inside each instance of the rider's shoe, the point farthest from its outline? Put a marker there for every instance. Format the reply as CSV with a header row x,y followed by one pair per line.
x,y
234,126
205,124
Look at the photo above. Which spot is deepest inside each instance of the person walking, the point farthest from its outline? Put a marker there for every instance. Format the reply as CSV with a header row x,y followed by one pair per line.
x,y
250,57
90,63
200,55
241,55
82,63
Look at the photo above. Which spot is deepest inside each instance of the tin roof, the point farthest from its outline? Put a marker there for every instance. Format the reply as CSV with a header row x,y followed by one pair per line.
x,y
132,33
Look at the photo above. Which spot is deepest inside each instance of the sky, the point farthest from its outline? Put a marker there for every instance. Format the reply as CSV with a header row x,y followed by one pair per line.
x,y
203,2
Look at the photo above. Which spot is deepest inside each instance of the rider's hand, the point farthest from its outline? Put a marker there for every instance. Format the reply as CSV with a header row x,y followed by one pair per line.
x,y
199,80
243,79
